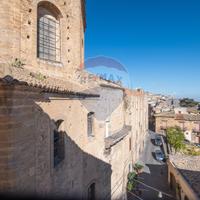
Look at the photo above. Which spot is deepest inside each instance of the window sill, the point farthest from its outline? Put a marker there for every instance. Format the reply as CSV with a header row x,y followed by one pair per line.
x,y
91,137
50,62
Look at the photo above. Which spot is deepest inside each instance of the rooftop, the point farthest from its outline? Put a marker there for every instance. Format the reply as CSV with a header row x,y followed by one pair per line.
x,y
22,76
186,117
189,167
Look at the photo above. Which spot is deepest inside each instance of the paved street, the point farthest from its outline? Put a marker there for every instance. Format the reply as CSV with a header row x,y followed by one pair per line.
x,y
154,174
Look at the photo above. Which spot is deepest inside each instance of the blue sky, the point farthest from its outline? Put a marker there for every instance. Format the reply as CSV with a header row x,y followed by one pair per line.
x,y
158,41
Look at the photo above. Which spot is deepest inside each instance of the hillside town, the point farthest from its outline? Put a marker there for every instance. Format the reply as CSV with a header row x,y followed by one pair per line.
x,y
66,133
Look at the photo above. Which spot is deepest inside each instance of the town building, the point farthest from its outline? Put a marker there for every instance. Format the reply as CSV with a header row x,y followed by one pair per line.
x,y
184,176
63,132
181,117
159,103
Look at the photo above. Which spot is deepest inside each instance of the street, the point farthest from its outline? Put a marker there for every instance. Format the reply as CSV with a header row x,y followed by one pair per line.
x,y
154,174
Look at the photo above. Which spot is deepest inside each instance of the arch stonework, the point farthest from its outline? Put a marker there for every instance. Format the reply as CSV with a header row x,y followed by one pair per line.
x,y
52,5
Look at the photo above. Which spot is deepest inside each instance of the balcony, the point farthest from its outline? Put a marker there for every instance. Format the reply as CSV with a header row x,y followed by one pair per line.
x,y
117,137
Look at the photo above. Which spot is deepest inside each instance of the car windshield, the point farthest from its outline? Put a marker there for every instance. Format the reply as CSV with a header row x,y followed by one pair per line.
x,y
158,152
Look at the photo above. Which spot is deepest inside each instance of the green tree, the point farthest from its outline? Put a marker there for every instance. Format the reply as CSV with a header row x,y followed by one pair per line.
x,y
175,137
132,177
186,102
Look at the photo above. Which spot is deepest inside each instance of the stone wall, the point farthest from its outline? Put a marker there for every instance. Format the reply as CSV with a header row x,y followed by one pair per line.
x,y
18,137
137,117
27,138
175,178
18,36
27,147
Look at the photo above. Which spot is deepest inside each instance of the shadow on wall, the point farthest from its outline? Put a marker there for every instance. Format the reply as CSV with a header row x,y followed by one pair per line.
x,y
111,101
157,177
56,172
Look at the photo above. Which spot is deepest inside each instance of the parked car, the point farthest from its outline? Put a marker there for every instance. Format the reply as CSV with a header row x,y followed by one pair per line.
x,y
158,140
186,141
197,145
159,155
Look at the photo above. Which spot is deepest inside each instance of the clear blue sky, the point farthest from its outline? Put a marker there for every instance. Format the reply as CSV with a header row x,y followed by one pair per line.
x,y
158,41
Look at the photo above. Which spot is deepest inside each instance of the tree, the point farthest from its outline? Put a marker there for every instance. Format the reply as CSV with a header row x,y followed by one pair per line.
x,y
132,178
138,167
175,137
186,102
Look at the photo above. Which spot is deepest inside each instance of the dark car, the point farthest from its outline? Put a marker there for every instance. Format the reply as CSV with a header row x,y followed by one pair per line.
x,y
158,140
159,155
197,145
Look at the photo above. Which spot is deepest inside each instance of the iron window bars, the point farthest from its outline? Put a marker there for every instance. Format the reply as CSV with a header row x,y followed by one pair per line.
x,y
48,39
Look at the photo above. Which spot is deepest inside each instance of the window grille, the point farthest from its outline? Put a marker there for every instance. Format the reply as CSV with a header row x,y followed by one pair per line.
x,y
48,39
90,121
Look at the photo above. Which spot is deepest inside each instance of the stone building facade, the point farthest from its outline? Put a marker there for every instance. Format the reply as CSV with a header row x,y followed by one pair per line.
x,y
189,123
61,136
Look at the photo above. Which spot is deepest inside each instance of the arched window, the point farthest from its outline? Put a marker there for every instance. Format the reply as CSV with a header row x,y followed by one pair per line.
x,y
58,144
48,40
91,192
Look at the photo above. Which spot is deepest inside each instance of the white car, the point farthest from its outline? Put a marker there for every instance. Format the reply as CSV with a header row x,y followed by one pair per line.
x,y
159,155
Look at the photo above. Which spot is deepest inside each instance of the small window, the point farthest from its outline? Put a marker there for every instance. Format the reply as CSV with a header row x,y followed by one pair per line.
x,y
107,128
130,166
58,147
91,192
130,144
90,122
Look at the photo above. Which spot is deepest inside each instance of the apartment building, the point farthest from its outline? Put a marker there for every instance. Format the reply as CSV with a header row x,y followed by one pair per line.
x,y
181,117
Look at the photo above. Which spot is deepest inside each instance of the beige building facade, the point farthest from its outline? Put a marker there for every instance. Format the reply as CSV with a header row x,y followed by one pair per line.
x,y
189,123
60,136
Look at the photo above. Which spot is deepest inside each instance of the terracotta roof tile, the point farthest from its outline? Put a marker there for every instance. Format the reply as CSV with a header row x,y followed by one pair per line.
x,y
186,117
45,83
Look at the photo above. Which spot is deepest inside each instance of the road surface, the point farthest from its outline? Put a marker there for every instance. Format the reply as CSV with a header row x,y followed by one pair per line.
x,y
154,174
